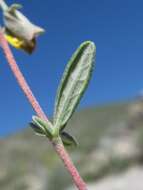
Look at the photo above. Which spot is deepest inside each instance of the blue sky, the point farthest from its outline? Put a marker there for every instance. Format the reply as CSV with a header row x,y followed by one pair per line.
x,y
116,27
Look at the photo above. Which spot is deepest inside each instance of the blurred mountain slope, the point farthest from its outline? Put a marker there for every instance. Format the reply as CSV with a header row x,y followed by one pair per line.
x,y
110,141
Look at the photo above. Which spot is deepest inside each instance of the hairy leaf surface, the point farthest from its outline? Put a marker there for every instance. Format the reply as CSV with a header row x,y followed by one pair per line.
x,y
74,82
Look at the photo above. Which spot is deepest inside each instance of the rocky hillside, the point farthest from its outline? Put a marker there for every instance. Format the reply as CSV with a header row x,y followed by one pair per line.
x,y
110,143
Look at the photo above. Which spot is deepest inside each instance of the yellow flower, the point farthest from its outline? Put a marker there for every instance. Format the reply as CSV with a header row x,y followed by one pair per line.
x,y
18,30
14,41
27,46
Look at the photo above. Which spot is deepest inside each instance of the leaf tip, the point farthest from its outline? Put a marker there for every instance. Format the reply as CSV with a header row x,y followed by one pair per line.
x,y
89,43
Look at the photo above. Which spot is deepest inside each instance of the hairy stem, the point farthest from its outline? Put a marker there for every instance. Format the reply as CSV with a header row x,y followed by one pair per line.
x,y
58,145
59,148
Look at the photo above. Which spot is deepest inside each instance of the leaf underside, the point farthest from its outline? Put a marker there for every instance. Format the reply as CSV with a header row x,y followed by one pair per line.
x,y
38,130
68,140
74,82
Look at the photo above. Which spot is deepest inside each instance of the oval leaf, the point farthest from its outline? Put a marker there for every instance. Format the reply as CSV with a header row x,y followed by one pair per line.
x,y
68,140
74,82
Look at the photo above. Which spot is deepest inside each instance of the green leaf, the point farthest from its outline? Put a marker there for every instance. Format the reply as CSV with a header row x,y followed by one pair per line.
x,y
38,129
68,140
44,126
74,82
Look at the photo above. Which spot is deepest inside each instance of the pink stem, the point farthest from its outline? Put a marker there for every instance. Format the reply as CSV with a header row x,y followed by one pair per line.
x,y
58,146
20,78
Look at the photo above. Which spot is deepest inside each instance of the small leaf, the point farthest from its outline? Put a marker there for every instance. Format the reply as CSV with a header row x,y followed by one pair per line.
x,y
68,140
46,125
74,82
38,130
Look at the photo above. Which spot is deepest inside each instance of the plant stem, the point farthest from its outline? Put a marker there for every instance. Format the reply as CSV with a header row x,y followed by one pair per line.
x,y
58,145
59,148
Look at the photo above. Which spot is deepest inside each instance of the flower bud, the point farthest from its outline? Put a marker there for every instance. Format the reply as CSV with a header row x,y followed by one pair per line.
x,y
19,31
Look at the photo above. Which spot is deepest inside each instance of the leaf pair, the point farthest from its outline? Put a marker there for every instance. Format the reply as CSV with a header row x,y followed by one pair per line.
x,y
45,128
73,84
